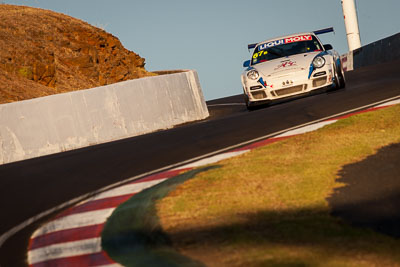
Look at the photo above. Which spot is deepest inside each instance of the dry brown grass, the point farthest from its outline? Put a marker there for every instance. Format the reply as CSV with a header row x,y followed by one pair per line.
x,y
269,208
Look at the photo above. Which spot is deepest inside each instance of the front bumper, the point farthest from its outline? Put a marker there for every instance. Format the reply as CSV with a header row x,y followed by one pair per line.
x,y
288,98
285,87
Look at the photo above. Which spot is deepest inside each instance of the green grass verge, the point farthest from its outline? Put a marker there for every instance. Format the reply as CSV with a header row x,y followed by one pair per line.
x,y
132,236
269,208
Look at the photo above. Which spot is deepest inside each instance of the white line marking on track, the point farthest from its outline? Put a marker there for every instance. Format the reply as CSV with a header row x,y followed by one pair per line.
x,y
75,221
394,102
63,250
227,104
127,189
307,129
212,159
31,220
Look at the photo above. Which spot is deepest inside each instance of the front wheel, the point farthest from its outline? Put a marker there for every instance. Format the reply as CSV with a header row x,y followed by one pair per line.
x,y
341,78
248,106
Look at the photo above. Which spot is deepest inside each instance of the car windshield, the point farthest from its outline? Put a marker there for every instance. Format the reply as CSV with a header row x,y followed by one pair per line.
x,y
285,47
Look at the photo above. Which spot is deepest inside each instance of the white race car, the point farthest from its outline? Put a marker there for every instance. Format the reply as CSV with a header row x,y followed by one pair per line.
x,y
290,66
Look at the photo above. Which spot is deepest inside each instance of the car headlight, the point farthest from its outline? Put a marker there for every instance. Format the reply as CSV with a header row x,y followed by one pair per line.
x,y
318,62
253,75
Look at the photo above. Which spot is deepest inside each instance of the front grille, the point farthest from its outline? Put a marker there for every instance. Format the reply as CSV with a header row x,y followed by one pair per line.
x,y
289,90
318,82
259,95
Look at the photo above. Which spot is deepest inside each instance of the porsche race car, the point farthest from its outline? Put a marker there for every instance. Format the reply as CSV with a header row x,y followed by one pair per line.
x,y
290,66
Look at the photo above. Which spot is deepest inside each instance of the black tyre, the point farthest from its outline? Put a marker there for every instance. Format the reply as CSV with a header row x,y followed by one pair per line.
x,y
249,107
247,102
339,78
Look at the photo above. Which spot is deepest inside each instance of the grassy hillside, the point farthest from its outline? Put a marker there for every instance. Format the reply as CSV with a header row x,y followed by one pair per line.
x,y
44,52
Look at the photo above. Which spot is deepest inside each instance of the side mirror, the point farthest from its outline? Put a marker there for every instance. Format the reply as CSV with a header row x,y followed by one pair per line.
x,y
328,47
246,64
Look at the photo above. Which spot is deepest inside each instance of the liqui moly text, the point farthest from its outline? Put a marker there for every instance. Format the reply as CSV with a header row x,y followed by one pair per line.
x,y
293,39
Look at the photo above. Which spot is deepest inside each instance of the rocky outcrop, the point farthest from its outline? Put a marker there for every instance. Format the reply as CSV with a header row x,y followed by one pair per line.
x,y
43,52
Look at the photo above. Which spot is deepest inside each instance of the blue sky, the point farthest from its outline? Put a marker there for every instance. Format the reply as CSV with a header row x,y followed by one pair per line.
x,y
211,36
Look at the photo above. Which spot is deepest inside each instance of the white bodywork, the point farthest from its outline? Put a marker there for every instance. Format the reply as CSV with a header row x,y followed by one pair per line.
x,y
292,75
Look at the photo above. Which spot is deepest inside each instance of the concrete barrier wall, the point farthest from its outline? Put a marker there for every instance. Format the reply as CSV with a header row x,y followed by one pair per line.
x,y
381,51
57,123
347,61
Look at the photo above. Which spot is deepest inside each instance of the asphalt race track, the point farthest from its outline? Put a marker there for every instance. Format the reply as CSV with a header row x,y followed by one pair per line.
x,y
30,187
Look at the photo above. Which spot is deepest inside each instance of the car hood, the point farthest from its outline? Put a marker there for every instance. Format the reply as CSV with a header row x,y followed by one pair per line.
x,y
285,65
